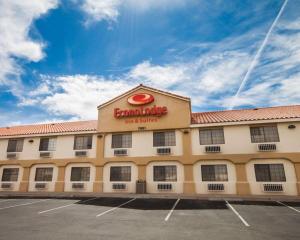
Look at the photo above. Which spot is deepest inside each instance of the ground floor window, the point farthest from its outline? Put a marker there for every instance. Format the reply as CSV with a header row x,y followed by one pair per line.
x,y
10,174
165,173
120,174
211,173
80,174
43,174
269,173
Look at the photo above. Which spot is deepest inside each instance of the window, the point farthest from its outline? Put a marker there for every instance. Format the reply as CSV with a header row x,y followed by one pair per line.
x,y
269,173
43,174
15,145
83,142
120,174
47,144
161,139
10,174
121,140
165,173
211,136
214,173
264,134
80,174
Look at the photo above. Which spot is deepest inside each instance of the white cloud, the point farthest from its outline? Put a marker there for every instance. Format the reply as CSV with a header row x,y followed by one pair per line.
x,y
16,17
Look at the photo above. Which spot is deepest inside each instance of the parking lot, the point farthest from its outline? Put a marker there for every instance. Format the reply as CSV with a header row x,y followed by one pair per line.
x,y
130,218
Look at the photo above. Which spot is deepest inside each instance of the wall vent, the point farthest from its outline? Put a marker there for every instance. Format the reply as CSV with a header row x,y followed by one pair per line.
x,y
7,185
119,186
215,187
40,185
120,152
81,153
266,147
269,187
163,151
164,187
78,185
212,149
12,155
45,154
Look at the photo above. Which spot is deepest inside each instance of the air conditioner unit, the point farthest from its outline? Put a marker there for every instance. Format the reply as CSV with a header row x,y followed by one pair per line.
x,y
164,187
12,155
7,185
270,187
119,186
81,153
78,185
40,186
163,151
266,147
212,149
45,154
215,187
120,152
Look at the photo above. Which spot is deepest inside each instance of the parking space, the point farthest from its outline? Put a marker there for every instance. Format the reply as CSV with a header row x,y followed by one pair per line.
x,y
130,218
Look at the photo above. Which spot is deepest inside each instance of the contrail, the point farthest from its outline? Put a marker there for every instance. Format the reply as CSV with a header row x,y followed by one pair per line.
x,y
257,56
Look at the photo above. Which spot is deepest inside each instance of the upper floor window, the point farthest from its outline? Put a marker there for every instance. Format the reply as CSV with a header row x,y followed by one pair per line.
x,y
47,144
165,173
264,134
80,174
43,174
211,136
211,173
83,142
269,172
15,145
161,139
10,174
120,174
123,140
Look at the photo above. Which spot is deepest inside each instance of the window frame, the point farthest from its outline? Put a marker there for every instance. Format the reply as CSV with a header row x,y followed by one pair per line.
x,y
10,180
18,147
89,142
165,141
263,135
125,176
213,139
124,142
159,178
216,171
45,178
260,177
53,144
81,174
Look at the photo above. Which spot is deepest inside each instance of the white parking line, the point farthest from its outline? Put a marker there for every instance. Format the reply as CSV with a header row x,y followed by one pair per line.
x,y
64,206
6,200
171,211
24,204
236,213
289,206
112,209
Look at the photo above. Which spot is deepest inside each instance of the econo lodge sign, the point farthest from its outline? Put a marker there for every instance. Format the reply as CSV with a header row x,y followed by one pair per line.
x,y
141,99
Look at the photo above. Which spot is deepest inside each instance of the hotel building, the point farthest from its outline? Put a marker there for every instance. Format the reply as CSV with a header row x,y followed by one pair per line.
x,y
149,140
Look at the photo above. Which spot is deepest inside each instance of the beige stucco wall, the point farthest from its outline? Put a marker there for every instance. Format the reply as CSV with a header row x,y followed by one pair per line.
x,y
142,145
50,186
130,186
15,185
238,140
257,187
64,148
177,186
201,186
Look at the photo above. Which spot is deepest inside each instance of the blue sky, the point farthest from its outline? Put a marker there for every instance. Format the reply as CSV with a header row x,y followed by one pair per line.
x,y
60,59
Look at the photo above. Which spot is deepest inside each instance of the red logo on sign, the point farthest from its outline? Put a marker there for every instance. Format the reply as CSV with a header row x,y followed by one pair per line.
x,y
140,99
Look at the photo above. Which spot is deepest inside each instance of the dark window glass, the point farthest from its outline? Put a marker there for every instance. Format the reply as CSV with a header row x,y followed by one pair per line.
x,y
120,174
269,173
10,174
47,144
121,140
211,136
15,145
264,134
211,173
161,139
43,174
83,142
80,174
165,173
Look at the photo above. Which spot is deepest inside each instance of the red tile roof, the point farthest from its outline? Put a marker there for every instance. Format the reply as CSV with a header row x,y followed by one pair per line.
x,y
270,113
64,127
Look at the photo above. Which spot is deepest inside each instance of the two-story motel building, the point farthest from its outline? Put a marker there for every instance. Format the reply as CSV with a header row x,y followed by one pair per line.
x,y
151,135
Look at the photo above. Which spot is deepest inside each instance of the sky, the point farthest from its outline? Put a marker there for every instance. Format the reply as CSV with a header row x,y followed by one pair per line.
x,y
60,59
